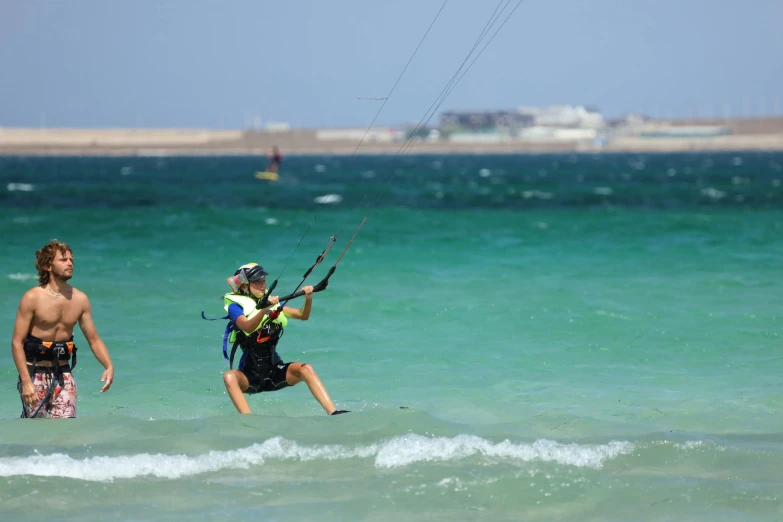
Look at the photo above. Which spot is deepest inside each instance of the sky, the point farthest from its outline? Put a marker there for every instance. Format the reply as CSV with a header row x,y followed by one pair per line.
x,y
228,64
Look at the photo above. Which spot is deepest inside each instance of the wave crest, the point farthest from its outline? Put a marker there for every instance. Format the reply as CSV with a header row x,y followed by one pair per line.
x,y
396,452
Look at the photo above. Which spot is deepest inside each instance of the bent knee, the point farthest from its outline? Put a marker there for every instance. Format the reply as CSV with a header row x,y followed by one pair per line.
x,y
306,370
301,371
230,379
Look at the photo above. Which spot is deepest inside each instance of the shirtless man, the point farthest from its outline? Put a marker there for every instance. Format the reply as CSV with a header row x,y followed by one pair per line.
x,y
42,344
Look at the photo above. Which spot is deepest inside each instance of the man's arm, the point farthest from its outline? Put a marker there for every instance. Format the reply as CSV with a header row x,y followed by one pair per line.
x,y
24,318
96,344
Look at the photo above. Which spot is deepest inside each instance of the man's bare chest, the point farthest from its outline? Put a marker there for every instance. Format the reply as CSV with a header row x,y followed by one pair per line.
x,y
55,312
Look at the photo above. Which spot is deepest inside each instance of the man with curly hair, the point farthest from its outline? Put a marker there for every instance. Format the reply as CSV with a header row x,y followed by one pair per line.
x,y
42,343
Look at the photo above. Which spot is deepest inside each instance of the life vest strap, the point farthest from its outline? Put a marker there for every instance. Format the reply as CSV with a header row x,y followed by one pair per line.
x,y
36,349
233,352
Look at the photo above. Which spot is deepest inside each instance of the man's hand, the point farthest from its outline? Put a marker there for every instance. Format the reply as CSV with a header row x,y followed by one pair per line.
x,y
28,393
308,290
108,378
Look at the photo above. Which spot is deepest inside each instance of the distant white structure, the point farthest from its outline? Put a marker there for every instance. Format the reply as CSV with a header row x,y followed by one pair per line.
x,y
543,133
480,137
277,126
552,123
380,135
564,116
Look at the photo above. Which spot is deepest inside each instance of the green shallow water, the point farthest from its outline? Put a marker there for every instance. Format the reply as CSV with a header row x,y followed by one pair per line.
x,y
581,360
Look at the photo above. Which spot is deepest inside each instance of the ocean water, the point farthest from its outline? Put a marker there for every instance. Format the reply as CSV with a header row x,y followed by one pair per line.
x,y
533,337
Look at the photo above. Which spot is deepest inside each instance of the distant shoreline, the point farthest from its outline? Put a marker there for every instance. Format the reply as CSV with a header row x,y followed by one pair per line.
x,y
755,135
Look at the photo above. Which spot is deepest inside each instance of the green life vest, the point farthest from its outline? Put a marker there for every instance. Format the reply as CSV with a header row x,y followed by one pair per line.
x,y
248,305
269,330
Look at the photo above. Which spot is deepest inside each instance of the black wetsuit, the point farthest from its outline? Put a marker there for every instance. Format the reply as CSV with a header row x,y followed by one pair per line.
x,y
261,364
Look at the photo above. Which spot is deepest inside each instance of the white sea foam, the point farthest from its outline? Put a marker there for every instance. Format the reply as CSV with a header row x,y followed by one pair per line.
x,y
21,187
329,198
713,193
394,453
18,276
407,449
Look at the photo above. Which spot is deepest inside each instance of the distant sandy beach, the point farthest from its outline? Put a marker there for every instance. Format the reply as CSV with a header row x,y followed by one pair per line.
x,y
766,134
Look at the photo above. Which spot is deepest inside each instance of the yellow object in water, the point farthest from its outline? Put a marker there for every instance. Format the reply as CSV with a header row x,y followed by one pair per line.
x,y
269,176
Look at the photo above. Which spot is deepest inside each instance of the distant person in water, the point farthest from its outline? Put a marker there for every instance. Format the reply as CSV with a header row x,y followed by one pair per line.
x,y
274,160
42,343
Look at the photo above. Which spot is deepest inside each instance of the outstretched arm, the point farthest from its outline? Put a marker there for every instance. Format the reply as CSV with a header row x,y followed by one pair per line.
x,y
24,318
96,345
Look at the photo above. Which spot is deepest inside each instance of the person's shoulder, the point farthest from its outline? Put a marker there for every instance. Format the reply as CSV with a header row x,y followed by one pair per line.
x,y
78,295
31,296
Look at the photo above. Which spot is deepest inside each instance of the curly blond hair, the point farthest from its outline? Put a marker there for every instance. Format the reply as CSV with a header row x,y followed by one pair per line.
x,y
45,256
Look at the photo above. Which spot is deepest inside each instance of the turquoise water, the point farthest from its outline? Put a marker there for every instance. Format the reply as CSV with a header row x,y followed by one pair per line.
x,y
556,337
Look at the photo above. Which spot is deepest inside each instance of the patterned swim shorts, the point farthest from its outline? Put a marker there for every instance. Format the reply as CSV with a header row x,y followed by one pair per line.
x,y
61,403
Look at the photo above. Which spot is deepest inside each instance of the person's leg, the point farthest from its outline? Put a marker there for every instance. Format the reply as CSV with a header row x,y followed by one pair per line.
x,y
63,403
298,372
236,385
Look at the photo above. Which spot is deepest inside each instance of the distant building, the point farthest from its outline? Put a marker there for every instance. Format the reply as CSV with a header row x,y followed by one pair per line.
x,y
564,116
549,133
484,120
554,115
278,126
480,137
553,123
628,120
